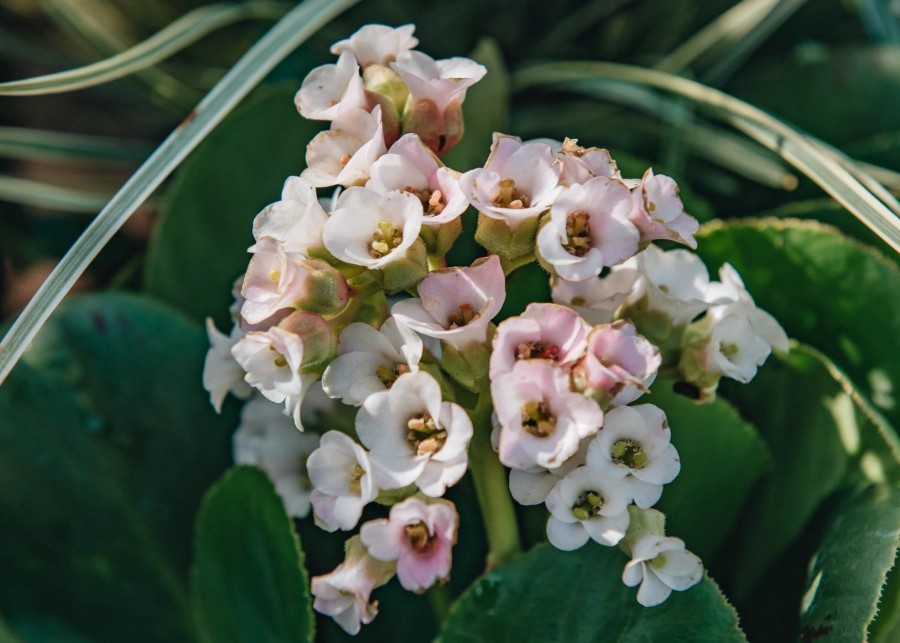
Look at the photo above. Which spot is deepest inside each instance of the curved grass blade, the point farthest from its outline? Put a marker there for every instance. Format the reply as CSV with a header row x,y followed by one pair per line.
x,y
180,34
26,143
52,197
292,30
803,152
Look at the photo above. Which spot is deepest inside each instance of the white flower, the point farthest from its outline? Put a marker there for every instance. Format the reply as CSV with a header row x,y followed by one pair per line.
x,y
414,436
344,593
371,360
518,181
660,564
635,445
737,300
341,474
531,486
585,505
410,166
329,92
273,359
268,439
344,154
588,229
734,349
419,536
456,304
676,283
542,421
296,221
377,44
221,373
439,81
597,300
372,230
658,212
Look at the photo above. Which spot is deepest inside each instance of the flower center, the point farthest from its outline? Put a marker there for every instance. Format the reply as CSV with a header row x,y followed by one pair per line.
x,y
510,196
537,350
537,419
388,374
461,317
728,350
587,505
385,238
659,562
424,434
578,230
431,200
280,360
419,537
629,453
356,479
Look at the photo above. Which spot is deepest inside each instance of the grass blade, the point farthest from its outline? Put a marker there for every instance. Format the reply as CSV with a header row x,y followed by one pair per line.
x,y
52,197
180,34
803,152
24,143
292,30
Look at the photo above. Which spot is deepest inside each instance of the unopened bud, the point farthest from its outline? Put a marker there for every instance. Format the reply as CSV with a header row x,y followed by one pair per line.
x,y
327,291
440,131
319,340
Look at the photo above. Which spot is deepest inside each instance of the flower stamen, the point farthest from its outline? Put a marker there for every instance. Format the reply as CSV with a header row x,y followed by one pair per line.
x,y
578,231
385,239
511,197
587,505
538,419
629,453
425,435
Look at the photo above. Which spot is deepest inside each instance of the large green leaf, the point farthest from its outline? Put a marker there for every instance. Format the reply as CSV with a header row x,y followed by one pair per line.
x,y
826,290
848,572
722,457
552,595
810,425
248,582
200,244
106,445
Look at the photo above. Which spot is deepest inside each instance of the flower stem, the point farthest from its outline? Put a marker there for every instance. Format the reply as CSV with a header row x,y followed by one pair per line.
x,y
491,488
440,600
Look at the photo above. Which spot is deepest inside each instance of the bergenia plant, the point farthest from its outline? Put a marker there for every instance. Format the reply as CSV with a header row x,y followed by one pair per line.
x,y
446,381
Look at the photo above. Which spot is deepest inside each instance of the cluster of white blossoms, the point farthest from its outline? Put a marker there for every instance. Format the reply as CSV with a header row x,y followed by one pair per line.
x,y
312,319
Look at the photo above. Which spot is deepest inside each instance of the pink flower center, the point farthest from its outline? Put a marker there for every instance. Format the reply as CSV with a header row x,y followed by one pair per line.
x,y
420,538
510,196
538,419
424,434
578,230
432,200
461,317
537,350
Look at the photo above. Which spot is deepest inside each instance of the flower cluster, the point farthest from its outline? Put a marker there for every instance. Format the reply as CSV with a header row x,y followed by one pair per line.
x,y
422,370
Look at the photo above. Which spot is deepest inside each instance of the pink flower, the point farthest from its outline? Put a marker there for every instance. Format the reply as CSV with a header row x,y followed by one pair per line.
x,y
456,304
419,536
518,181
441,82
410,166
377,44
542,422
296,220
588,229
543,331
344,593
343,154
597,300
330,91
580,165
659,213
619,366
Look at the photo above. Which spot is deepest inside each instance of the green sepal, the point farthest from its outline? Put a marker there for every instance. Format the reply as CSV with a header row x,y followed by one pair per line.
x,y
509,244
405,273
469,366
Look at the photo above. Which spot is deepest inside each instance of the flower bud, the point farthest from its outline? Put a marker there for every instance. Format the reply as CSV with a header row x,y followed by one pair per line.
x,y
439,130
386,83
327,291
319,340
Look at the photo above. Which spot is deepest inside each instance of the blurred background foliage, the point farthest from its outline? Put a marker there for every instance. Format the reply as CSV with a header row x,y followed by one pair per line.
x,y
106,439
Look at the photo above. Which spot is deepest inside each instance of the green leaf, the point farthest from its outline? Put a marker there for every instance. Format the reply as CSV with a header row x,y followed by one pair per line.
x,y
107,443
722,457
848,572
826,290
552,595
200,243
248,582
810,425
